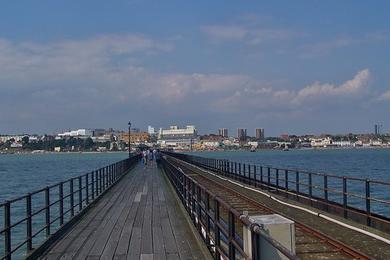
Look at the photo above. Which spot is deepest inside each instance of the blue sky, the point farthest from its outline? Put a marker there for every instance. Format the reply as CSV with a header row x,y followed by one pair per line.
x,y
288,66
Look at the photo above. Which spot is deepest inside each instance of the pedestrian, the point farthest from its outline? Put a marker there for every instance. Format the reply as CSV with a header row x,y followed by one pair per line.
x,y
144,157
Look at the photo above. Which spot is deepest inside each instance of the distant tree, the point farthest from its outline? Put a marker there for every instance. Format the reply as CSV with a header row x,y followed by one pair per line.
x,y
88,143
25,140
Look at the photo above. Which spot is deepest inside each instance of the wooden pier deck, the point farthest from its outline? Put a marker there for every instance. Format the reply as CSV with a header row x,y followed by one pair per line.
x,y
139,218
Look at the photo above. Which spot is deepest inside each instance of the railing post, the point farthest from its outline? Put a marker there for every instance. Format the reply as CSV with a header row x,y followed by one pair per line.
x,y
104,178
368,202
97,183
255,174
80,194
277,179
47,206
269,177
61,201
93,185
326,188
217,241
29,222
297,184
244,172
261,175
232,233
286,180
255,245
239,171
71,198
310,188
86,189
7,230
208,225
198,208
100,181
345,202
249,174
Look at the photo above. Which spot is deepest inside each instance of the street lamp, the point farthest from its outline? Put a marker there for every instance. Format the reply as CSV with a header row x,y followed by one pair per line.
x,y
129,139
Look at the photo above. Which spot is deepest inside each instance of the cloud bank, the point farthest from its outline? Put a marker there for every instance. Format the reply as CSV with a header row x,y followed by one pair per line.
x,y
84,82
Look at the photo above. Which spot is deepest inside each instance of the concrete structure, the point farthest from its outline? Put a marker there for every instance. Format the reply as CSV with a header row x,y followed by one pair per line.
x,y
241,134
259,133
178,137
223,132
279,228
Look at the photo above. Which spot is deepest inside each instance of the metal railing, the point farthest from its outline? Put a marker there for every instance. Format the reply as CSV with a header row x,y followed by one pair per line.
x,y
219,224
39,215
349,197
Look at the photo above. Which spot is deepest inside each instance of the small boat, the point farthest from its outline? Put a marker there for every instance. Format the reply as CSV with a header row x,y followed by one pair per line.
x,y
285,147
253,149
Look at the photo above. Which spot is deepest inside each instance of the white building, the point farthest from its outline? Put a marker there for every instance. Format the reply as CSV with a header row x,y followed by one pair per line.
x,y
178,137
151,130
342,143
321,142
77,133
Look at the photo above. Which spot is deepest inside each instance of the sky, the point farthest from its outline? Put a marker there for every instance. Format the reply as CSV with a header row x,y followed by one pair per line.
x,y
296,67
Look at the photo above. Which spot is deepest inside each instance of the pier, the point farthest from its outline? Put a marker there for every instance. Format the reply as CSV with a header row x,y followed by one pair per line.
x,y
192,208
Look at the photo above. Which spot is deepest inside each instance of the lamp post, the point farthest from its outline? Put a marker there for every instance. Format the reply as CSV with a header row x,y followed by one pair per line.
x,y
129,139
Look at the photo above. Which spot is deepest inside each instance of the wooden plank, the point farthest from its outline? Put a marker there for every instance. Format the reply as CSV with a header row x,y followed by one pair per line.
x,y
138,218
81,231
135,244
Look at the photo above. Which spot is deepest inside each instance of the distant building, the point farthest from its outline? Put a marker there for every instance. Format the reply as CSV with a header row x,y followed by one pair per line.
x,y
223,132
241,134
151,130
285,137
81,133
135,138
377,129
98,132
259,133
178,137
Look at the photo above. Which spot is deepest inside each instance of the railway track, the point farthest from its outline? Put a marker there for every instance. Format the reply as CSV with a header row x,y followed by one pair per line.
x,y
310,243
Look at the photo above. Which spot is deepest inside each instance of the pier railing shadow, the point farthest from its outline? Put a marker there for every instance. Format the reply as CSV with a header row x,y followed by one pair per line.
x,y
32,221
362,200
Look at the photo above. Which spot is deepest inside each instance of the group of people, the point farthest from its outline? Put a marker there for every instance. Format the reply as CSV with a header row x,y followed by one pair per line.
x,y
149,155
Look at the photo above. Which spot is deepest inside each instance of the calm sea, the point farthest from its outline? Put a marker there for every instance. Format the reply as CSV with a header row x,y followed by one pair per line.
x,y
362,163
373,164
23,173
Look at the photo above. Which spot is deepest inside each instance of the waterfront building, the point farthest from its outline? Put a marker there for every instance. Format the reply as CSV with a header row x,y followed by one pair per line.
x,y
259,133
135,138
178,137
241,134
321,142
223,132
81,133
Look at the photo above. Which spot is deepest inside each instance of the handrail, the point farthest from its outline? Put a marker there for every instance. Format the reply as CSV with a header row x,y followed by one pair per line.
x,y
327,192
61,203
204,208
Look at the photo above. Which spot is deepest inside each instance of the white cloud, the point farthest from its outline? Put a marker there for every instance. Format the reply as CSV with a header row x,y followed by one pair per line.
x,y
268,98
220,33
349,88
385,96
252,35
